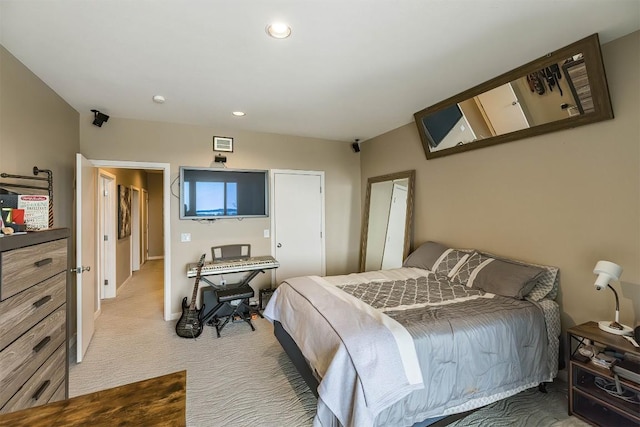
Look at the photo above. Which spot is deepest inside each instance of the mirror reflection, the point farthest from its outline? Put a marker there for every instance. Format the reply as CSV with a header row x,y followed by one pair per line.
x,y
564,89
386,228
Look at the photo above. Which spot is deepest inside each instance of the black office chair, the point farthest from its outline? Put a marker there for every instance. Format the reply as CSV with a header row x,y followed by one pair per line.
x,y
230,293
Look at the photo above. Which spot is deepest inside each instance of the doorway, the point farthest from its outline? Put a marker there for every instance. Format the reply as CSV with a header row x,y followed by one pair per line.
x,y
106,241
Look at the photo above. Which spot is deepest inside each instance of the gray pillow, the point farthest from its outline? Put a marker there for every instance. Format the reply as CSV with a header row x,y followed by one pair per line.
x,y
425,256
506,278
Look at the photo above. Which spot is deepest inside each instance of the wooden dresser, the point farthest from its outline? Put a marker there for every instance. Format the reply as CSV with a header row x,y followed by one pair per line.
x,y
33,319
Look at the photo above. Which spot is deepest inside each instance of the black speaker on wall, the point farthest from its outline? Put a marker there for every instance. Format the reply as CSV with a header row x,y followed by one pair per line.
x,y
356,146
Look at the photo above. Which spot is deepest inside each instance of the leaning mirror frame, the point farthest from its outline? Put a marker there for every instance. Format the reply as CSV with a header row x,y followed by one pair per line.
x,y
589,47
408,222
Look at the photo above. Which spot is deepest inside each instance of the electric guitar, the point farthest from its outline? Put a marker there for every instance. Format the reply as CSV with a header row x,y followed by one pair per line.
x,y
190,323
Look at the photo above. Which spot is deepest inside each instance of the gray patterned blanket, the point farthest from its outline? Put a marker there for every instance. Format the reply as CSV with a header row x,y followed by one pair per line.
x,y
411,293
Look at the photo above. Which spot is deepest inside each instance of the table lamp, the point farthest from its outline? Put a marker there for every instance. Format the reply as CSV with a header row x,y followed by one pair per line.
x,y
608,271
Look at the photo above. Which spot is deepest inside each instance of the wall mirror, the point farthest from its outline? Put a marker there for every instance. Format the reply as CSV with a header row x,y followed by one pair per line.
x,y
387,221
564,89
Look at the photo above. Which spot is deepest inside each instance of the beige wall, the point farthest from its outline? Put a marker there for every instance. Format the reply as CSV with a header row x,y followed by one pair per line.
x,y
568,198
156,232
134,140
37,128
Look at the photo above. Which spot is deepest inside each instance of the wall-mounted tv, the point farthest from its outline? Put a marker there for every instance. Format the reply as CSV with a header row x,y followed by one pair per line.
x,y
216,193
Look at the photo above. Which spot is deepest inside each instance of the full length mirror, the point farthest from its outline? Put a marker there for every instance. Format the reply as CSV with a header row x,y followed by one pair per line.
x,y
563,89
387,221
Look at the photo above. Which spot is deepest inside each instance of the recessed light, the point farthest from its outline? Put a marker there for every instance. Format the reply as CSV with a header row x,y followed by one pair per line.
x,y
158,99
278,30
238,113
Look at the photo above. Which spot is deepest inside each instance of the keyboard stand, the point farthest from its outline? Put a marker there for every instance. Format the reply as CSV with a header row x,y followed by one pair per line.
x,y
232,292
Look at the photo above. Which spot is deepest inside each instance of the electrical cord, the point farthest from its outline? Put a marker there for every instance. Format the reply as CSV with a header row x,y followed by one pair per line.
x,y
616,390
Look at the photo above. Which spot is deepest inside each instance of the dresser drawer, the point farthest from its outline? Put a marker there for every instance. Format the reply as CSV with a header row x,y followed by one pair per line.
x,y
40,388
24,267
22,311
20,360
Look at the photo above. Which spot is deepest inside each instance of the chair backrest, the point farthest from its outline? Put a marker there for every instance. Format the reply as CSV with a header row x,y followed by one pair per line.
x,y
226,252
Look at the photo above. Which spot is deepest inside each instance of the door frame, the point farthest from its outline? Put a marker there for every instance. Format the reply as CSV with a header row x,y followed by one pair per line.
x,y
323,240
166,219
144,226
135,229
106,227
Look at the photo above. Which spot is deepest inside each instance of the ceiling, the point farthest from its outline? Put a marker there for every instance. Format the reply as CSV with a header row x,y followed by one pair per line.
x,y
351,68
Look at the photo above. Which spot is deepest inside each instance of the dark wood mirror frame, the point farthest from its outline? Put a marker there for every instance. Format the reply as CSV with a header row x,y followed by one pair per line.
x,y
589,47
408,226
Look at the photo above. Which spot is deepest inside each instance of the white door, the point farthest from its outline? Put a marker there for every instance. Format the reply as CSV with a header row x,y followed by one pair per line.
x,y
503,109
135,229
298,223
394,241
85,254
107,235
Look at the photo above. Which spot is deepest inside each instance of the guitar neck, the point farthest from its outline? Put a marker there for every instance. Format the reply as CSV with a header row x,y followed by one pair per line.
x,y
192,306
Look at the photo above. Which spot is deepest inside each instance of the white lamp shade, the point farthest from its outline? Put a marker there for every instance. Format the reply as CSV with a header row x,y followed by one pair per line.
x,y
606,271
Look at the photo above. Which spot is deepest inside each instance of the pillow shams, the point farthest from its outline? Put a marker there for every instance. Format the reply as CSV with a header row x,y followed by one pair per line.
x,y
506,279
546,286
425,256
449,262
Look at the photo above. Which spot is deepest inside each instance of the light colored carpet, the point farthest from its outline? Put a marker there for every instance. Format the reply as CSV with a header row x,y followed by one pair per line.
x,y
243,378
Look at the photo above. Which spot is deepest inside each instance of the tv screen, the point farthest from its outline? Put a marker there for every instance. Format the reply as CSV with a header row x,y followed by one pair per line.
x,y
437,125
208,193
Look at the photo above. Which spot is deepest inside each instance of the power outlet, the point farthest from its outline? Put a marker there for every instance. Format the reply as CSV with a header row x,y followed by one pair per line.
x,y
266,233
185,237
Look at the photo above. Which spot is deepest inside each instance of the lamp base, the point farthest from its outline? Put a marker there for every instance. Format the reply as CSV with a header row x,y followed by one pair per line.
x,y
604,325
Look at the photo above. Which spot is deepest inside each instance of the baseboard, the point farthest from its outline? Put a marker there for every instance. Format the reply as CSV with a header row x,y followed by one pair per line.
x,y
151,258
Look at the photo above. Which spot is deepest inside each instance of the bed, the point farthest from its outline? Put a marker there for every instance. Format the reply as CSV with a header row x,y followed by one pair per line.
x,y
450,331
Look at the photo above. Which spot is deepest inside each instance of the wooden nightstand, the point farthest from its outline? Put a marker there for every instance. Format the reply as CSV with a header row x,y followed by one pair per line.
x,y
588,401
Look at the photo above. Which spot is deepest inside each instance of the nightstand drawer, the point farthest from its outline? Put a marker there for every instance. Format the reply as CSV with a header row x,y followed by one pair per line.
x,y
21,312
24,267
42,386
20,360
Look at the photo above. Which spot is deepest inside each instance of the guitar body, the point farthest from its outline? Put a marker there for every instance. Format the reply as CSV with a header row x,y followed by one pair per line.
x,y
190,323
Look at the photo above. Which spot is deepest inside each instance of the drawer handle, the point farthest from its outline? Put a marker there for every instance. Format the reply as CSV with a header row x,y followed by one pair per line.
x,y
42,301
41,344
41,390
43,262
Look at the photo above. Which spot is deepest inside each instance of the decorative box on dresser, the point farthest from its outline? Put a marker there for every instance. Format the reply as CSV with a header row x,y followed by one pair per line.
x,y
33,319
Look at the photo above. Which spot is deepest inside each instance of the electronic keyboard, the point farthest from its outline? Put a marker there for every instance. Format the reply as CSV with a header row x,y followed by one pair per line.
x,y
233,266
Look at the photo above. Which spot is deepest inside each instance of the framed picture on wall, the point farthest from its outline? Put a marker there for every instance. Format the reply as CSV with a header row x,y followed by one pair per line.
x,y
124,211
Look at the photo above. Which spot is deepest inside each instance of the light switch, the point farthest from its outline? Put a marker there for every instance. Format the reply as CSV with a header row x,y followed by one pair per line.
x,y
266,233
185,237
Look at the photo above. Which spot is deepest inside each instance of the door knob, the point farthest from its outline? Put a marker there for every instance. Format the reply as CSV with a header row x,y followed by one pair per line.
x,y
80,270
279,245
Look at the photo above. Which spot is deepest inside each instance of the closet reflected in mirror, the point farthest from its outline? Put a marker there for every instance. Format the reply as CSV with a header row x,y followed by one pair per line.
x,y
387,221
566,88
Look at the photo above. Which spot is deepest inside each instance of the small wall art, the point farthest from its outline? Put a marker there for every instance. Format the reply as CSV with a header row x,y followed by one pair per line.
x,y
124,211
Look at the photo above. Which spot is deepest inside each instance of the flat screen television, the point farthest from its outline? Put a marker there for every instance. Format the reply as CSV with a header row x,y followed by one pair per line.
x,y
216,193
